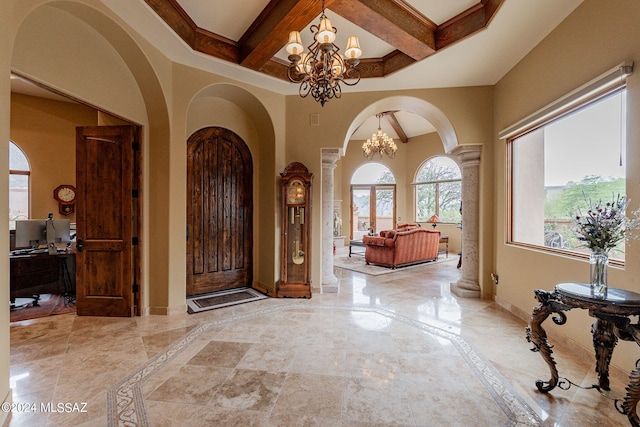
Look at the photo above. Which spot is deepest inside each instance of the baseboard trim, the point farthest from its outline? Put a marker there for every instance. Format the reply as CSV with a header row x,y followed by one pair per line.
x,y
6,415
558,339
165,311
264,288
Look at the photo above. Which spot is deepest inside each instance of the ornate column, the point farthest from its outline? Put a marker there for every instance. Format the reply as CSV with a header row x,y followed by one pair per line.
x,y
468,157
329,158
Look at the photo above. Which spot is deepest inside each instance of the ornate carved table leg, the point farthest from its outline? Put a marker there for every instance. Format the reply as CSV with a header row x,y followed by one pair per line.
x,y
538,336
630,403
628,332
604,341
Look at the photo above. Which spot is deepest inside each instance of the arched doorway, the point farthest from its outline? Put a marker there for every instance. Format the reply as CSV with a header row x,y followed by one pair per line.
x,y
466,156
110,54
219,211
227,106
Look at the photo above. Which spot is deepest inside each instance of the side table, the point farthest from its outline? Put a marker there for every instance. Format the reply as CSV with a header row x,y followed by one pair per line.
x,y
356,244
612,322
445,239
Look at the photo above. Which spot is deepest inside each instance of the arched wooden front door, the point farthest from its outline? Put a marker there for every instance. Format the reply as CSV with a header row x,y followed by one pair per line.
x,y
219,211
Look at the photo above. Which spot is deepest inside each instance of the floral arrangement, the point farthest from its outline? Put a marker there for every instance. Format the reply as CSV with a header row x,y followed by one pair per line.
x,y
605,225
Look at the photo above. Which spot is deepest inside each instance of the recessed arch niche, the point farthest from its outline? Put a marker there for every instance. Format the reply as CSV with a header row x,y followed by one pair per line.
x,y
234,108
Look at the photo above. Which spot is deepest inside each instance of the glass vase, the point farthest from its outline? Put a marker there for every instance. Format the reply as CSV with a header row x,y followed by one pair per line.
x,y
599,264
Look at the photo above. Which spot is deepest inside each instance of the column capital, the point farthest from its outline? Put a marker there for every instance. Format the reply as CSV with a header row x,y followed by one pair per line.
x,y
468,155
330,156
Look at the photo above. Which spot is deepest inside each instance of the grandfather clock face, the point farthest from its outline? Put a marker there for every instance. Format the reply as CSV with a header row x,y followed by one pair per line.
x,y
296,192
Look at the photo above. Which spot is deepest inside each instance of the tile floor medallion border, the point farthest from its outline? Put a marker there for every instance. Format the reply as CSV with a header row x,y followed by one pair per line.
x,y
125,400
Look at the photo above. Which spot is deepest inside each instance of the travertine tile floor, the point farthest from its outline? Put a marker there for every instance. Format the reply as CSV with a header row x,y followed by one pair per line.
x,y
395,349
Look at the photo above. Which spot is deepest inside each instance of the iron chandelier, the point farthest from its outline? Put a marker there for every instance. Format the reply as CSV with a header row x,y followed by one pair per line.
x,y
323,68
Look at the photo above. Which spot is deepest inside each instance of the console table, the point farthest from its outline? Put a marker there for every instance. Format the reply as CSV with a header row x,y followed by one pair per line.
x,y
612,322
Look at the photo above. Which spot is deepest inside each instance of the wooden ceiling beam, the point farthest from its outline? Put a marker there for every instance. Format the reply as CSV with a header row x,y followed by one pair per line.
x,y
395,61
466,23
215,45
393,121
276,68
414,36
270,30
176,18
393,21
197,38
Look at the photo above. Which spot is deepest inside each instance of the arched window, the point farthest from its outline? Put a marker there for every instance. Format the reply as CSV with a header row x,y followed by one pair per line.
x,y
19,172
373,173
373,200
438,190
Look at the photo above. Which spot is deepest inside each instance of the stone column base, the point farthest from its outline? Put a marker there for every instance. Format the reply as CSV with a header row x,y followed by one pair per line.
x,y
330,285
465,289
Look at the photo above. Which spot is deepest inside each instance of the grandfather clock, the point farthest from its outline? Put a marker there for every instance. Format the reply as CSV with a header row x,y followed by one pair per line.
x,y
295,265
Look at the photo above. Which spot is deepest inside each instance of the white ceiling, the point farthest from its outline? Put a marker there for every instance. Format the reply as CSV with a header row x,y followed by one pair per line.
x,y
482,59
411,124
231,18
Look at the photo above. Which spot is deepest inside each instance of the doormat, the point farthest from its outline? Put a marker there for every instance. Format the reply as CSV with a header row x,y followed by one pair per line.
x,y
222,299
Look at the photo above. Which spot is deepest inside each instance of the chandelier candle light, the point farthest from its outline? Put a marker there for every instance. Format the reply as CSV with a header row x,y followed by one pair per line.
x,y
321,70
380,143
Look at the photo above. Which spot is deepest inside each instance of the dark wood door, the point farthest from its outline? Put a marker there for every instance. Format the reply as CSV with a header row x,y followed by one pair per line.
x,y
105,220
219,211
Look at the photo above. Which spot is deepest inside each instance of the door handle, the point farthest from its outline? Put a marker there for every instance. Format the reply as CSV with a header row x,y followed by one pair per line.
x,y
79,245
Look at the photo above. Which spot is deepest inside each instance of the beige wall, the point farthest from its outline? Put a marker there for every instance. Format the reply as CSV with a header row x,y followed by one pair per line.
x,y
45,130
596,37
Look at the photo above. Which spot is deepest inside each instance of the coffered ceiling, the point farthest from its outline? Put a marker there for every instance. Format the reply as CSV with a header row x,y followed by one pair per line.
x,y
407,44
394,33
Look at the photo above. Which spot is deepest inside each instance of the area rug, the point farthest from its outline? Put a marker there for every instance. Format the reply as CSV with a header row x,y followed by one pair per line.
x,y
48,305
222,299
357,263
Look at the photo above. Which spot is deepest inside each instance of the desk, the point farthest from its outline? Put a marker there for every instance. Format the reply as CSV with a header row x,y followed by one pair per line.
x,y
611,323
31,275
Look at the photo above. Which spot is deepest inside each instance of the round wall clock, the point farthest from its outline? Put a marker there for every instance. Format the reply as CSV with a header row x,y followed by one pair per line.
x,y
65,193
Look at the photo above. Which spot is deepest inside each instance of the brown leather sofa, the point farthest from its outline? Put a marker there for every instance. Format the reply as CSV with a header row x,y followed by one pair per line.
x,y
408,244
